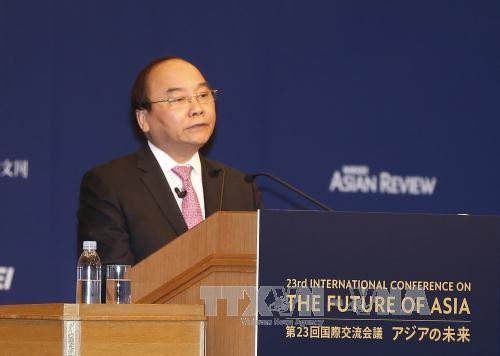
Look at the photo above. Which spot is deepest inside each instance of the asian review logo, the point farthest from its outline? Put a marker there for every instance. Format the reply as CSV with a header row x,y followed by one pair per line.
x,y
357,179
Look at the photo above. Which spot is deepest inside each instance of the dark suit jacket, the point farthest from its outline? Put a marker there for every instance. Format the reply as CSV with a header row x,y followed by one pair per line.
x,y
127,206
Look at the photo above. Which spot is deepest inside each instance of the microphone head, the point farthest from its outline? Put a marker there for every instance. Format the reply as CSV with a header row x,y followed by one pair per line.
x,y
214,172
180,193
249,178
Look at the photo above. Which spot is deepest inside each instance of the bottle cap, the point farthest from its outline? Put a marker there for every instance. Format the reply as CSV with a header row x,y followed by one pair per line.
x,y
89,245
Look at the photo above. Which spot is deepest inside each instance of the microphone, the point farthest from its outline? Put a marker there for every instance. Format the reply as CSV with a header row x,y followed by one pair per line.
x,y
180,193
251,177
215,173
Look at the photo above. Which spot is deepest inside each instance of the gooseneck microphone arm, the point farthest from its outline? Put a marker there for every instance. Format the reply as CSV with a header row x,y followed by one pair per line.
x,y
215,173
251,178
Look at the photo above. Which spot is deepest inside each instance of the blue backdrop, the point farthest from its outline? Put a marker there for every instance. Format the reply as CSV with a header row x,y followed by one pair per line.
x,y
368,106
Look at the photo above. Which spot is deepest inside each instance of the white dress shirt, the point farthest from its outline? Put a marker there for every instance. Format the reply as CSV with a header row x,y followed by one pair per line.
x,y
167,163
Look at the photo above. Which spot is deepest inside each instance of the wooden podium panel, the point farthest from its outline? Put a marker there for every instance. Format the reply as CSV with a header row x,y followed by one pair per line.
x,y
78,329
221,251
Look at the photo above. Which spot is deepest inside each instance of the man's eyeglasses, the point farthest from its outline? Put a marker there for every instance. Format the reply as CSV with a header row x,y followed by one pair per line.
x,y
180,102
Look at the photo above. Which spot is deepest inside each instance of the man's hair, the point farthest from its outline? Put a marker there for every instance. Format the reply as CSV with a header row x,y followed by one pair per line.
x,y
139,99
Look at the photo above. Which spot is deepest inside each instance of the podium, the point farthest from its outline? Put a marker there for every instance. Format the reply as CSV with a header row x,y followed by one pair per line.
x,y
329,283
78,329
219,252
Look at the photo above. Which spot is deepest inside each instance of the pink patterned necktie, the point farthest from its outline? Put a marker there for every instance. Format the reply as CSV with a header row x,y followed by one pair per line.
x,y
190,205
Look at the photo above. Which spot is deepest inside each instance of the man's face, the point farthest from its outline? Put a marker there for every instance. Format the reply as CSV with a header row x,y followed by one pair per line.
x,y
180,132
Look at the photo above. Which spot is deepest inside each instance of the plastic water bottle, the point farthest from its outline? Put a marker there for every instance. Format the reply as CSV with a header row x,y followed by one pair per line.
x,y
88,279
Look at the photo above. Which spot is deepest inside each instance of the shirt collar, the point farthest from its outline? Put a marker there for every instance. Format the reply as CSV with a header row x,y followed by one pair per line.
x,y
167,163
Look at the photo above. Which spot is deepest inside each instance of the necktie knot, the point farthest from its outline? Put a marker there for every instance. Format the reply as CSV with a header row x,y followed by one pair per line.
x,y
183,172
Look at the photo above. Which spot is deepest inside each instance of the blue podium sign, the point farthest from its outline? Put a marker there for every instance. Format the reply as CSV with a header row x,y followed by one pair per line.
x,y
384,284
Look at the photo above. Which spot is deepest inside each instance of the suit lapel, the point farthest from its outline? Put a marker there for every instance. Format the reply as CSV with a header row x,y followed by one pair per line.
x,y
211,187
154,179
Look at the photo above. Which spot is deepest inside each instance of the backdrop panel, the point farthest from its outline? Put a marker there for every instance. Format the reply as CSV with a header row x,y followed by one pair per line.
x,y
368,106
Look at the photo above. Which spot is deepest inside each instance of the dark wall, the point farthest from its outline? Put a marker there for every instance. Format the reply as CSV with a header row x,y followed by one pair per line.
x,y
398,101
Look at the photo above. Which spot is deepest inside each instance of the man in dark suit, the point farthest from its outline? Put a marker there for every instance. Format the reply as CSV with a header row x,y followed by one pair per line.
x,y
134,205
